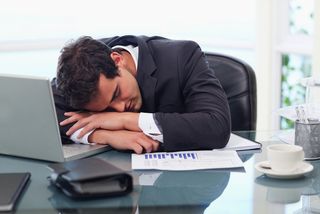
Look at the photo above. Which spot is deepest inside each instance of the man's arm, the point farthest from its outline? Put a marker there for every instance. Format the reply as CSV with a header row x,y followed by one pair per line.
x,y
125,140
136,141
86,122
205,122
89,121
119,130
120,139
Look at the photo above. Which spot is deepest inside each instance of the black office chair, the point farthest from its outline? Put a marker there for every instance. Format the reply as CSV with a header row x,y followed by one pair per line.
x,y
239,82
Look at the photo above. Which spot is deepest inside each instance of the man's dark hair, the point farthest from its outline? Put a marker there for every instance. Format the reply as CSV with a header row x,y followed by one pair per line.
x,y
79,67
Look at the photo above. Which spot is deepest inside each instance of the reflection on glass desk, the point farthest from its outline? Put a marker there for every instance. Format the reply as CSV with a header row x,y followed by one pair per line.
x,y
242,190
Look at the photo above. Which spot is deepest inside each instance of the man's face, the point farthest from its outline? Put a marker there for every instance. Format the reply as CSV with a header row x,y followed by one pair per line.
x,y
119,94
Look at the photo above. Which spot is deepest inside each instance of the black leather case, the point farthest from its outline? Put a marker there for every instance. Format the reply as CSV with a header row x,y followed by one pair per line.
x,y
90,178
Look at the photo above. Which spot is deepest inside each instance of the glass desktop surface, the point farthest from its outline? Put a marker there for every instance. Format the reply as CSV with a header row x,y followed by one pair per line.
x,y
243,190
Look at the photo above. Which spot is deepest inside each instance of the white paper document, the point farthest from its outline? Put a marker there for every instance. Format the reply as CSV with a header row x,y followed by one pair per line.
x,y
187,160
239,143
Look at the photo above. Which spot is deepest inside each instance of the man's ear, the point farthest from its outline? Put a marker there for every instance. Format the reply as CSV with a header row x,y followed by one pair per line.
x,y
116,57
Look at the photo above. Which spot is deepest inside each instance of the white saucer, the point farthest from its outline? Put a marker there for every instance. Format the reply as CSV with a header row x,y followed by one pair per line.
x,y
303,169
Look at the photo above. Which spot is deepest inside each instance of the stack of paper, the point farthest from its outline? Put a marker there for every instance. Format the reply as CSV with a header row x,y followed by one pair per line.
x,y
195,160
239,143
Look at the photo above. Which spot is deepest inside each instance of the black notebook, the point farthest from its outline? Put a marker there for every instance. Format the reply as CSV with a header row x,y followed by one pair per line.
x,y
90,178
11,187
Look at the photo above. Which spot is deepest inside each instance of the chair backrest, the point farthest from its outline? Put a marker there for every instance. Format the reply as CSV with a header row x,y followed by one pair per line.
x,y
239,82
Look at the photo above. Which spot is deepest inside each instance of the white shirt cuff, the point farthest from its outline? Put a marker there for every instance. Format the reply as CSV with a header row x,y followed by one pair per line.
x,y
149,127
83,140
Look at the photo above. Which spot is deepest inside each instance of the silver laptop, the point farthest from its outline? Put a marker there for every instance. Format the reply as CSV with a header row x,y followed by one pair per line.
x,y
28,122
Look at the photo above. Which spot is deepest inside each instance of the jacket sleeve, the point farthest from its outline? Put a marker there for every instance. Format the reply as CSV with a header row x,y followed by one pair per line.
x,y
205,123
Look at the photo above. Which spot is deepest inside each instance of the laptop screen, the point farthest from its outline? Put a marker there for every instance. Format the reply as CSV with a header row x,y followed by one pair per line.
x,y
28,123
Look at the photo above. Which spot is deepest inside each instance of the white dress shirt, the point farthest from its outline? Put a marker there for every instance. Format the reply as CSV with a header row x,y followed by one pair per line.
x,y
146,120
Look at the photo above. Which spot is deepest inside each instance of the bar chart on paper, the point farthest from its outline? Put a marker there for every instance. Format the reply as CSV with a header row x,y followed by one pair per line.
x,y
186,160
159,156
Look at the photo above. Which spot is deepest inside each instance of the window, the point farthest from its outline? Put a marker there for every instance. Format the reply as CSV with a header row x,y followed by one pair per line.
x,y
32,32
294,68
301,17
296,63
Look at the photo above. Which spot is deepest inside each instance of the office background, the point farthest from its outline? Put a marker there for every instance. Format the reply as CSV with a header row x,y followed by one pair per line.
x,y
276,37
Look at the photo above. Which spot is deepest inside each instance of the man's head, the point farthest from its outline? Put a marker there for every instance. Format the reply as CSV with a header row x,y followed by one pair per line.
x,y
92,76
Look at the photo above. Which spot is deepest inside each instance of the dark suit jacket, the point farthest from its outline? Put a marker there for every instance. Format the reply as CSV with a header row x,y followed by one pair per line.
x,y
177,85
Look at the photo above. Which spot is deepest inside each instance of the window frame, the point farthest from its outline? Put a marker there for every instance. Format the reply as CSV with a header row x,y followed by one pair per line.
x,y
281,41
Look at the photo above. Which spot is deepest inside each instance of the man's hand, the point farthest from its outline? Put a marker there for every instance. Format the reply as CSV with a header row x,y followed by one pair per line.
x,y
101,120
124,140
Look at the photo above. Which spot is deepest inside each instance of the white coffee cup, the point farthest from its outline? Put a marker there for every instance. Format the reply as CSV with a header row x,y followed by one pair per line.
x,y
285,157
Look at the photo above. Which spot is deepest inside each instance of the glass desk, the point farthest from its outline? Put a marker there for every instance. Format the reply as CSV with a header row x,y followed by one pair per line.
x,y
242,190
